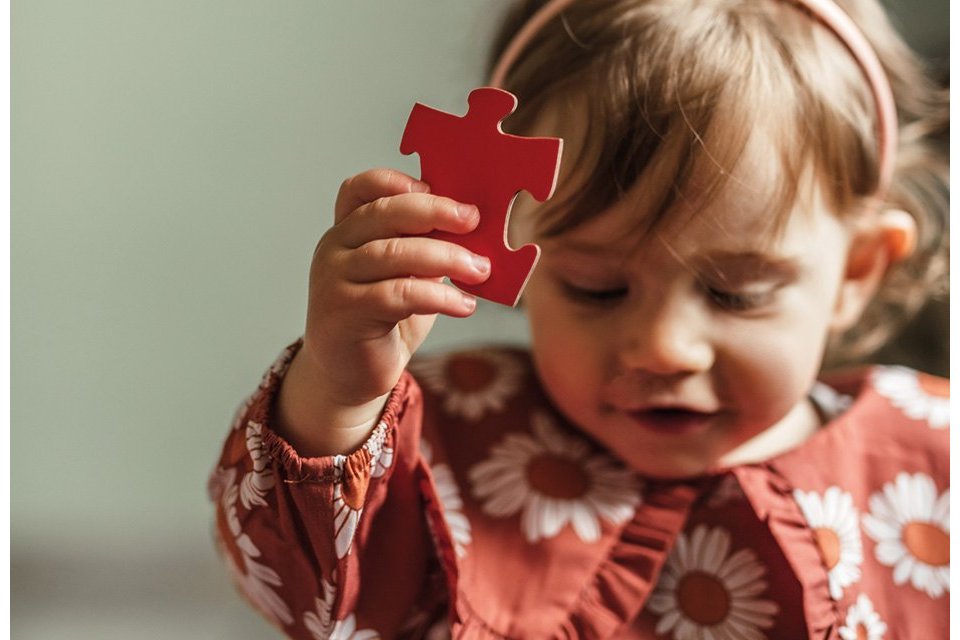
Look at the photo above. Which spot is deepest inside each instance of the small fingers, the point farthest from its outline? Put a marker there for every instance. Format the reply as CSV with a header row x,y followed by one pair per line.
x,y
399,298
419,257
372,185
410,214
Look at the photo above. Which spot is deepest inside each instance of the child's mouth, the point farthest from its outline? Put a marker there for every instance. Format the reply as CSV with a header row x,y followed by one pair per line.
x,y
671,420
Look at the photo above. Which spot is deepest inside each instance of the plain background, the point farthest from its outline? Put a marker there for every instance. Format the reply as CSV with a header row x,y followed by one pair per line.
x,y
173,164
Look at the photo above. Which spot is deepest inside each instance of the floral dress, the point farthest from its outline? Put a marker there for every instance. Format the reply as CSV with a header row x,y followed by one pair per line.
x,y
474,510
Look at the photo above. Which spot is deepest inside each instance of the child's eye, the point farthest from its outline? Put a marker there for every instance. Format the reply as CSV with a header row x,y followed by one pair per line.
x,y
740,301
594,296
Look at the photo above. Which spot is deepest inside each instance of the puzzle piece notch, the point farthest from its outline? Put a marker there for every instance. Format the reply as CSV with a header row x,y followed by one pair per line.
x,y
470,159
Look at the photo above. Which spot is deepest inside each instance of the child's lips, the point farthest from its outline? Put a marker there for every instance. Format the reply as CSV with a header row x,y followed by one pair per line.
x,y
672,420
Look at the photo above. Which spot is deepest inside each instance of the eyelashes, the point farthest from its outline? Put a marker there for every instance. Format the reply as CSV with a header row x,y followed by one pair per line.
x,y
738,301
733,301
599,297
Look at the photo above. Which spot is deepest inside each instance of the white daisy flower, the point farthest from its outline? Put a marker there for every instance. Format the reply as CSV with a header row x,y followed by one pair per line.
x,y
254,579
381,455
911,526
259,480
919,396
450,500
321,624
836,527
348,500
553,479
473,383
382,462
706,592
862,622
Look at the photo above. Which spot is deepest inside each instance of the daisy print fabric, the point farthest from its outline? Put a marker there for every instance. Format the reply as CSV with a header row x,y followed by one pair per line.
x,y
919,396
449,496
705,591
910,523
349,495
252,577
472,383
550,535
727,491
354,473
836,528
862,622
322,626
553,479
259,480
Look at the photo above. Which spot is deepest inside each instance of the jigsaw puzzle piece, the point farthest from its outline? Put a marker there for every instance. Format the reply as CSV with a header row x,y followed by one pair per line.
x,y
470,159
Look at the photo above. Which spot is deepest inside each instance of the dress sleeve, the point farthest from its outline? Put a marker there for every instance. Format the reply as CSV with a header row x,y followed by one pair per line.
x,y
300,535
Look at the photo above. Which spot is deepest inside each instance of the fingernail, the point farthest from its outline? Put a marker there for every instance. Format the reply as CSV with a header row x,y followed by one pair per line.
x,y
481,264
467,211
419,187
469,302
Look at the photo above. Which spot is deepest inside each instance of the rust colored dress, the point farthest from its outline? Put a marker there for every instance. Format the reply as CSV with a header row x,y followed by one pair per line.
x,y
475,510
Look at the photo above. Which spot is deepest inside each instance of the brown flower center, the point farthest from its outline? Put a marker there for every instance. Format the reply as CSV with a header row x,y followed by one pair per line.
x,y
470,374
934,386
703,598
557,477
927,542
829,543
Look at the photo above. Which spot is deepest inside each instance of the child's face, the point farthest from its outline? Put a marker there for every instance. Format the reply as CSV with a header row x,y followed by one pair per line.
x,y
677,349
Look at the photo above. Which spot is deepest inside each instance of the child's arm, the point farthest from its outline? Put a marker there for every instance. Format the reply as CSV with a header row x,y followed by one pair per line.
x,y
375,290
320,545
321,486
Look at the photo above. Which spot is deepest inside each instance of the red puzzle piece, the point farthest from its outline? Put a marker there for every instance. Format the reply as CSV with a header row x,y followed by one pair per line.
x,y
471,160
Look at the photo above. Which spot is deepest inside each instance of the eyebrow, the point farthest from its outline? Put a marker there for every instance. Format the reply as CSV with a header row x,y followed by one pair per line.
x,y
727,265
749,263
584,248
722,258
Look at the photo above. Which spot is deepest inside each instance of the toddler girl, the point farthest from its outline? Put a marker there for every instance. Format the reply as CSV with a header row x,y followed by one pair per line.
x,y
737,202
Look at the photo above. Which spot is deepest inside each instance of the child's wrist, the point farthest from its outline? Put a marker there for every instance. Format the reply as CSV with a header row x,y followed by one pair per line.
x,y
316,424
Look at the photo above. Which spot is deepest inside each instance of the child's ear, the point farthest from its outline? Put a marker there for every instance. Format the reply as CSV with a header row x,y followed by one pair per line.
x,y
877,244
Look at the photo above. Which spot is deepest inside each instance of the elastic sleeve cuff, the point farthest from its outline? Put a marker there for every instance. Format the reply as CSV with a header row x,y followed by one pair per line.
x,y
374,454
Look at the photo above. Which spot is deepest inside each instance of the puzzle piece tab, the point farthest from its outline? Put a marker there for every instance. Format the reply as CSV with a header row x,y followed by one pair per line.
x,y
470,159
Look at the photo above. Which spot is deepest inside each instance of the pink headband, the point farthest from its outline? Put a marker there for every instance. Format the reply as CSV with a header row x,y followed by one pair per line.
x,y
826,11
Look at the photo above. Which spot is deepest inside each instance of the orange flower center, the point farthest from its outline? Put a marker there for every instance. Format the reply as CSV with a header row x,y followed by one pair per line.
x,y
703,598
470,374
557,477
829,543
934,386
356,479
862,633
927,542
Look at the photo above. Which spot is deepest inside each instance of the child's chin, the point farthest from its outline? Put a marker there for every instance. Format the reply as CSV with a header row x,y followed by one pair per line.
x,y
666,467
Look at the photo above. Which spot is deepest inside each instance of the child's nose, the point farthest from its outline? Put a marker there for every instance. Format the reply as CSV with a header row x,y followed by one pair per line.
x,y
666,338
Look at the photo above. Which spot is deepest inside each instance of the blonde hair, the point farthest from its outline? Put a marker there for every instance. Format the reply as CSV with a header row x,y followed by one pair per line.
x,y
678,86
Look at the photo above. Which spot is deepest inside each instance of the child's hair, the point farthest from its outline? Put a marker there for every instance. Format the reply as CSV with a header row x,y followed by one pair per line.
x,y
678,86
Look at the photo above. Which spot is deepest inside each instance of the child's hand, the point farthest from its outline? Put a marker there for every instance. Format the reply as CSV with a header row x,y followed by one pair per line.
x,y
375,289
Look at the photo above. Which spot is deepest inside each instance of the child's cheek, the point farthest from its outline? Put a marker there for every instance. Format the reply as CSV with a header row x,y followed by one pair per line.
x,y
567,362
771,371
